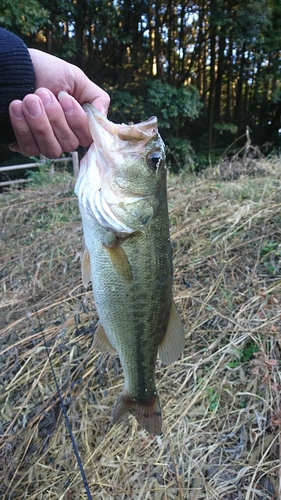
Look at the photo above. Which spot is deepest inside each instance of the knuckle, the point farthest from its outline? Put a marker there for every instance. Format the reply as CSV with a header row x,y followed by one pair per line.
x,y
69,146
106,99
30,150
52,153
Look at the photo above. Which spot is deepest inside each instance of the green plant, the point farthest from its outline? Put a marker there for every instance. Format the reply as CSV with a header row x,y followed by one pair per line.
x,y
271,255
180,155
214,398
226,127
174,107
244,354
126,107
44,175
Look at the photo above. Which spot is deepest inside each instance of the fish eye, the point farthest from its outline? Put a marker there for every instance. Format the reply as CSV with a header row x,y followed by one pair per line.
x,y
153,160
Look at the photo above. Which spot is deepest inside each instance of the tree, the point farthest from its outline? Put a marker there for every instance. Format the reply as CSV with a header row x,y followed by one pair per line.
x,y
229,50
25,18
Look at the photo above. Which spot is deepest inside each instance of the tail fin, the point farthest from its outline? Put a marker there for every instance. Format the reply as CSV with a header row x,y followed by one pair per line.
x,y
147,412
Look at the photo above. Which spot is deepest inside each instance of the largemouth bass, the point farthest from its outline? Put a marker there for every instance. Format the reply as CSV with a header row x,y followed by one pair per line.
x,y
122,195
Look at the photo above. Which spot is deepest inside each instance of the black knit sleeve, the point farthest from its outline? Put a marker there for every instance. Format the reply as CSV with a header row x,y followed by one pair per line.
x,y
17,78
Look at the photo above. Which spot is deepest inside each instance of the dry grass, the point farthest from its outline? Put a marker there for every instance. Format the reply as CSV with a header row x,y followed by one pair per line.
x,y
221,400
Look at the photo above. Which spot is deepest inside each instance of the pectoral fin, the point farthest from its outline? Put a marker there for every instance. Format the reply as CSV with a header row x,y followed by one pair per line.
x,y
173,343
86,268
101,342
120,261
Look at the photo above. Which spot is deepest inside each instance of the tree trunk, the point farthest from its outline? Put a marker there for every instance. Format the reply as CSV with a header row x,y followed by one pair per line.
x,y
219,79
229,80
239,89
211,103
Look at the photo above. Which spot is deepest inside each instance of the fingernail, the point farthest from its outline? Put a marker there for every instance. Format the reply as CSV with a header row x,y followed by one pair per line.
x,y
33,107
13,147
17,110
45,97
65,101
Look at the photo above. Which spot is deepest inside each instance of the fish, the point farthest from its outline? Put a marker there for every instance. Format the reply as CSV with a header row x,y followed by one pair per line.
x,y
122,193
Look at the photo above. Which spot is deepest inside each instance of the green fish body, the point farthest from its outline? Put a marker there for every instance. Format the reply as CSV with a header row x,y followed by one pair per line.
x,y
122,195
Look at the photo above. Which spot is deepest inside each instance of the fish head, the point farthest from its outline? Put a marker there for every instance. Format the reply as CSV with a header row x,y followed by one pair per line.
x,y
123,174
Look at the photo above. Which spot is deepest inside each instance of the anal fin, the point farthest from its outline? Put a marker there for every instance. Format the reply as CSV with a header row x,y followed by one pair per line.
x,y
147,412
173,343
86,268
101,342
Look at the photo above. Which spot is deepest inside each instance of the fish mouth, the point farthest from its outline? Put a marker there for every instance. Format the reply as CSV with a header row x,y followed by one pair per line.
x,y
112,136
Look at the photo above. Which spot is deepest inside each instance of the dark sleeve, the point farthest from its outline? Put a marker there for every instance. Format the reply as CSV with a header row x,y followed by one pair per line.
x,y
17,78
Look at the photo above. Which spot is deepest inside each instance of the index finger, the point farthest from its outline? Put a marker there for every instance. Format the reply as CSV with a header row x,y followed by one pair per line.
x,y
102,103
87,91
76,118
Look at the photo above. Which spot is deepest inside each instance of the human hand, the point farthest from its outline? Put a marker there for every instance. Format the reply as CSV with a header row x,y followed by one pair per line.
x,y
52,120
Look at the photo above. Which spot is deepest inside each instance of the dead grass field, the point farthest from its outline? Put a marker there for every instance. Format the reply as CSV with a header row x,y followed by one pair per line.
x,y
221,401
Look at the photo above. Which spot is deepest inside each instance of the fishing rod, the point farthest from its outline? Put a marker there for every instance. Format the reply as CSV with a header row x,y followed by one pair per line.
x,y
62,405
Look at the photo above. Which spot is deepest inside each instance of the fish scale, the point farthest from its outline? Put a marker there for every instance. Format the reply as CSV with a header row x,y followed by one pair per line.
x,y
128,258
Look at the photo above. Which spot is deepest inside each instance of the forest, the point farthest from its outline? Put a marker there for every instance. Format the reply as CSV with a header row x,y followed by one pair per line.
x,y
208,68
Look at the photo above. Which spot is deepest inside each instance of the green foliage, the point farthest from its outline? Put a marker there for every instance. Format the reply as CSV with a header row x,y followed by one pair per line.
x,y
270,248
68,50
180,155
214,399
233,70
40,176
172,106
23,18
245,354
226,127
252,18
44,176
271,255
126,107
